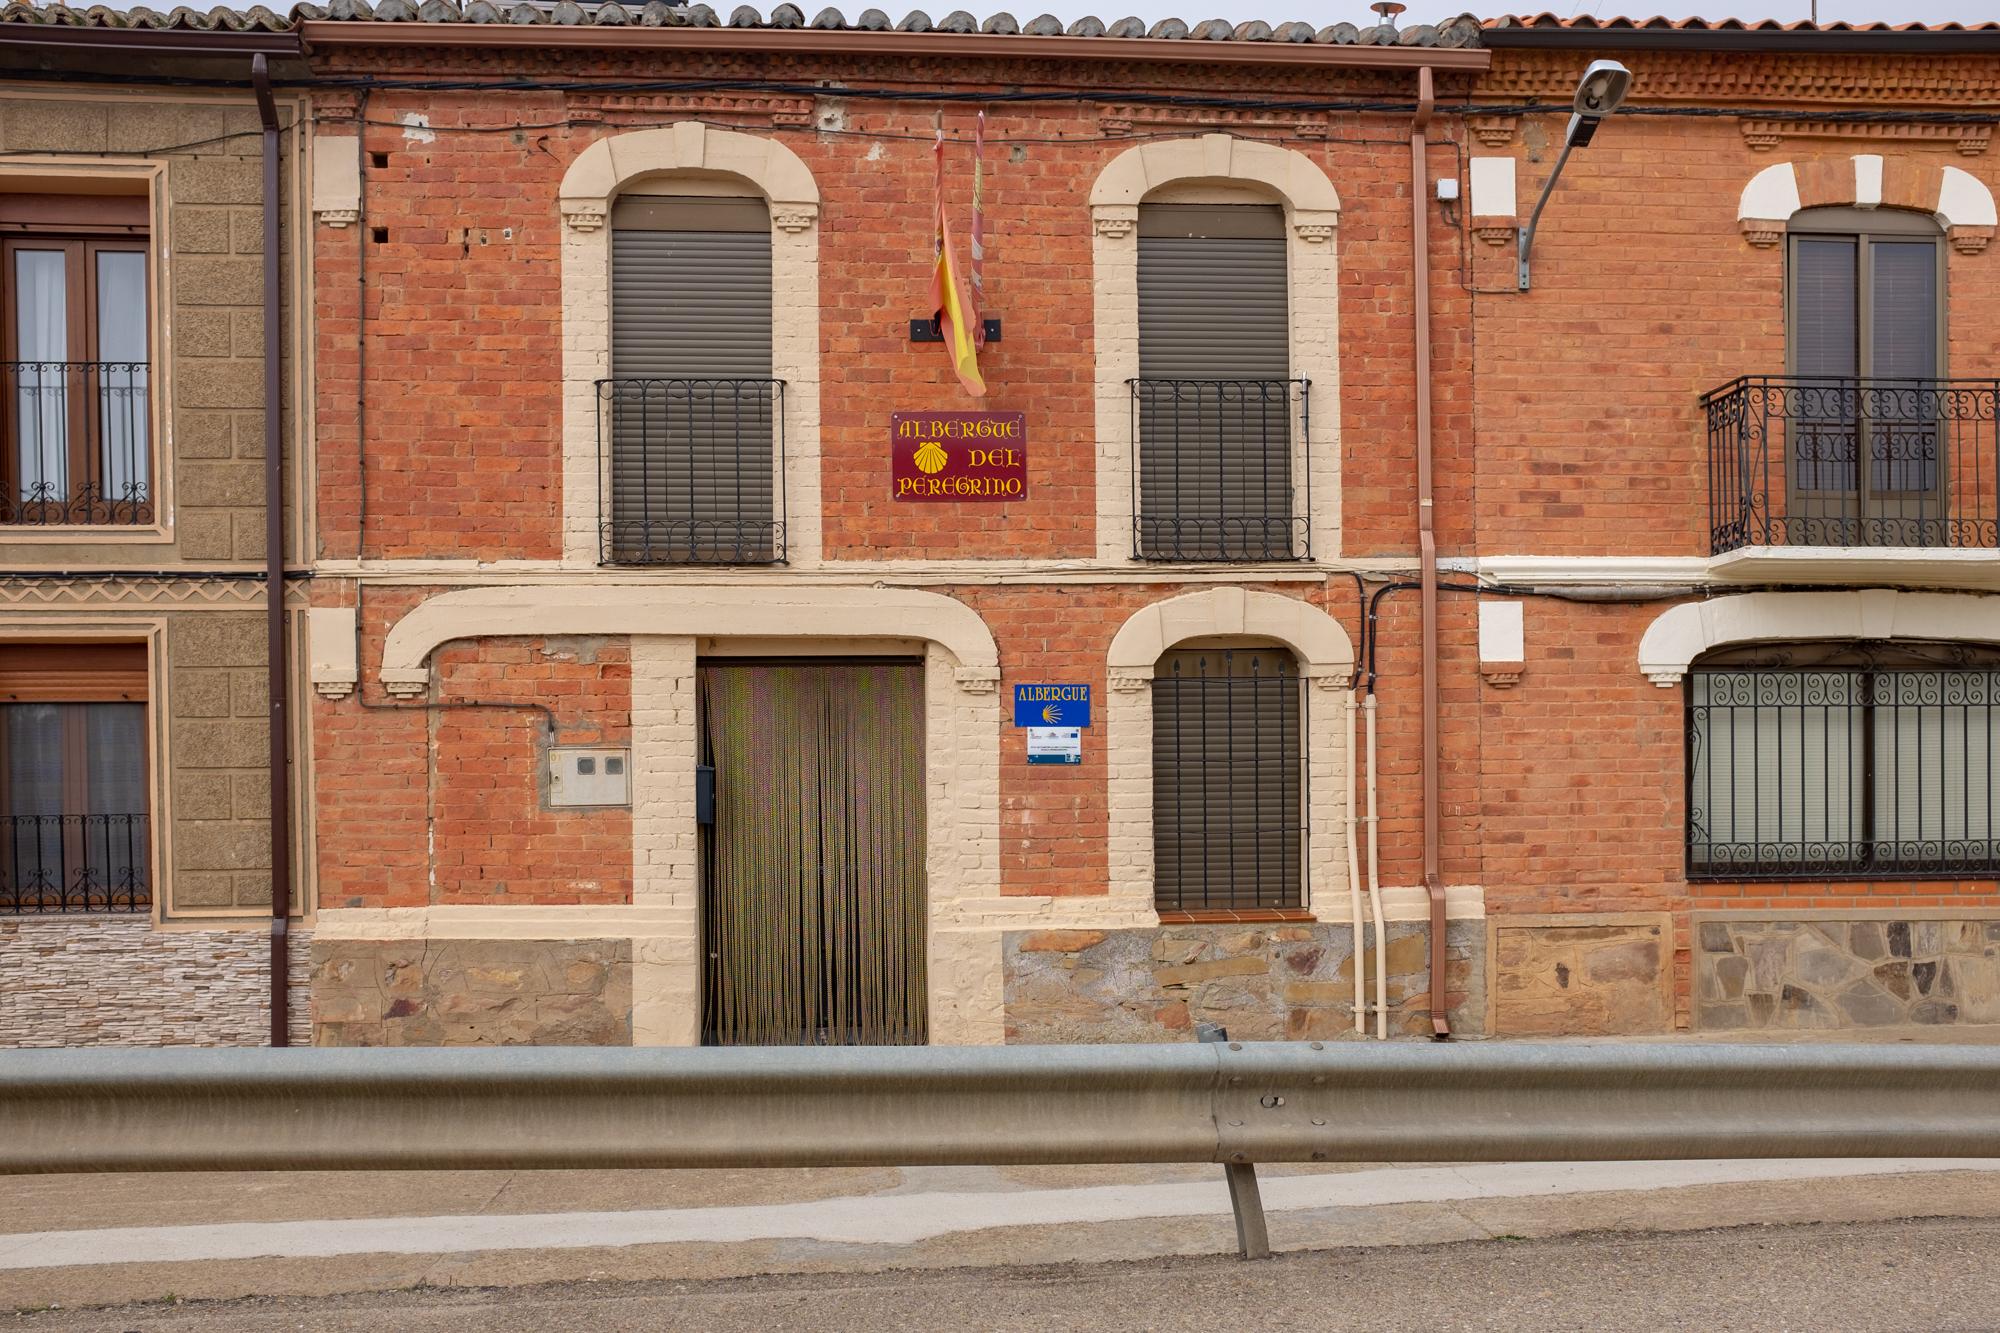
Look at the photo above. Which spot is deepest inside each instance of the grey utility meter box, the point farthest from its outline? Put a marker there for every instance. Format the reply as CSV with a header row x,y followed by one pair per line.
x,y
589,777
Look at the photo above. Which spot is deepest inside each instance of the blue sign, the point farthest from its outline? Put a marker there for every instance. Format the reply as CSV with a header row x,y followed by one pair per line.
x,y
1052,705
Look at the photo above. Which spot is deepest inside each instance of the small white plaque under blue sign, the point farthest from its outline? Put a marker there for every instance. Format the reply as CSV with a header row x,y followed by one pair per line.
x,y
1052,705
1055,745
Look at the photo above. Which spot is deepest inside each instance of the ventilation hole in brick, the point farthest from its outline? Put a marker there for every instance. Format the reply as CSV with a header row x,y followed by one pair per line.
x,y
381,235
380,160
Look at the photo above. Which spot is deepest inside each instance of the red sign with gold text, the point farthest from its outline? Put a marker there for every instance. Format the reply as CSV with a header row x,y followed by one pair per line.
x,y
947,457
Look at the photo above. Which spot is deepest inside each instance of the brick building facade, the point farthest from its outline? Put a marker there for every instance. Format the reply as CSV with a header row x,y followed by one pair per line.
x,y
645,712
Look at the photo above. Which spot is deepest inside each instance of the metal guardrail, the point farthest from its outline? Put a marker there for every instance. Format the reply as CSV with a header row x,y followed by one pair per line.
x,y
550,1107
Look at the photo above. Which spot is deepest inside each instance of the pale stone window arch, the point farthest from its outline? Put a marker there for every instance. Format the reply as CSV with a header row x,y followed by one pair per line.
x,y
1683,633
709,159
1960,201
1187,170
1326,661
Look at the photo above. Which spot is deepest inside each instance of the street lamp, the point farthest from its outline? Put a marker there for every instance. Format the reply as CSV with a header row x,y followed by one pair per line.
x,y
1598,94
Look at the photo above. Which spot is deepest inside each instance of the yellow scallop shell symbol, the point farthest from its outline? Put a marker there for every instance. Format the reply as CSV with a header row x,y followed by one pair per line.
x,y
1051,714
930,457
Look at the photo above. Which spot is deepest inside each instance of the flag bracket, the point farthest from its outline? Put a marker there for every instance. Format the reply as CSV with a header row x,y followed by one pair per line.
x,y
931,331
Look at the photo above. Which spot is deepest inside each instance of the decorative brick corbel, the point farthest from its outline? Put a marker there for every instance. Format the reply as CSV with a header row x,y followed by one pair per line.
x,y
406,684
333,689
977,680
583,214
1131,681
1666,680
1501,675
1114,220
1761,232
1493,131
1496,230
1315,226
1969,240
1761,136
794,218
337,217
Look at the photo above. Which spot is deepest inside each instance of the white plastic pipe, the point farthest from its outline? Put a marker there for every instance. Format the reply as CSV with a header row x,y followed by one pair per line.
x,y
1354,871
1375,887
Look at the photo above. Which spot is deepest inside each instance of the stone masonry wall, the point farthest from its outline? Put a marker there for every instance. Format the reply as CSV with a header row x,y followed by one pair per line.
x,y
97,981
1584,977
1788,974
1262,983
472,992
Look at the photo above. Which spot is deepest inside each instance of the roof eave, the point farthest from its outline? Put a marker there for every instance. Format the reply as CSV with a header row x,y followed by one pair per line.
x,y
1743,39
151,41
322,34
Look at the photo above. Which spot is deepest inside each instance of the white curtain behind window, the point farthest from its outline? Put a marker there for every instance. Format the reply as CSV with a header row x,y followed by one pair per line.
x,y
41,343
121,393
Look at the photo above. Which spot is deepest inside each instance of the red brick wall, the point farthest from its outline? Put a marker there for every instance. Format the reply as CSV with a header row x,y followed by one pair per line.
x,y
426,805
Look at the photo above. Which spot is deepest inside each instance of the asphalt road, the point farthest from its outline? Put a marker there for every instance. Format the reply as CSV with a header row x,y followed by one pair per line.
x,y
1935,1274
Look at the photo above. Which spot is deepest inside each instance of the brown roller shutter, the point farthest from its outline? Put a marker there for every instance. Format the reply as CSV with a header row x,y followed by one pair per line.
x,y
1214,398
692,407
73,673
1228,781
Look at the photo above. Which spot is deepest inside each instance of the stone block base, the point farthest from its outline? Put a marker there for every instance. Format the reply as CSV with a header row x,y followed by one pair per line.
x,y
442,992
106,981
1263,983
1879,972
1582,976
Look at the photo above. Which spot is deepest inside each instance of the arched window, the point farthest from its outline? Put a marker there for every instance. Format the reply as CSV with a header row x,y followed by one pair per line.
x,y
1215,403
1229,814
690,413
1843,760
1872,457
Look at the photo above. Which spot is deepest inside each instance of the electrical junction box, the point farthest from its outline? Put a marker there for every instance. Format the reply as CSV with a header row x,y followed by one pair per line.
x,y
589,777
1447,189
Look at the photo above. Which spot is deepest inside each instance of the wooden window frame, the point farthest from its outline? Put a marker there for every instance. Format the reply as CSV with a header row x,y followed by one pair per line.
x,y
82,228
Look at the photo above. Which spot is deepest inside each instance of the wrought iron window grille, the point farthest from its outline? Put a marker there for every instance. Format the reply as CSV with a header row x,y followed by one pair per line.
x,y
1219,471
78,444
1798,460
53,864
1228,782
692,470
1853,761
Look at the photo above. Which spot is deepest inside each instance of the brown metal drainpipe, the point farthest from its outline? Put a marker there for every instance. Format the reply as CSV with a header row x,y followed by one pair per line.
x,y
274,576
1420,280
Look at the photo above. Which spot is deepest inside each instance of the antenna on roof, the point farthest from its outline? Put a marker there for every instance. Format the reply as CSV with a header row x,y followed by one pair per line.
x,y
1388,9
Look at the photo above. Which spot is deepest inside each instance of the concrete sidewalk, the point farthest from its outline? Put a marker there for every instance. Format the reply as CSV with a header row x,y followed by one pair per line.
x,y
76,1241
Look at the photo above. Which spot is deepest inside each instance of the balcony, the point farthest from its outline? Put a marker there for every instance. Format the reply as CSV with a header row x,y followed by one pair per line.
x,y
1217,464
53,864
1833,479
692,471
78,444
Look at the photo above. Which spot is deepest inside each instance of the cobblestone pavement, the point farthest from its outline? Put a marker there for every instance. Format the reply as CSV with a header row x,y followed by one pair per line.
x,y
1941,1274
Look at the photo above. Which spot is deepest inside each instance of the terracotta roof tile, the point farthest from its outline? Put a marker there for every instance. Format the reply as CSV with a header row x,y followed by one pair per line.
x,y
1459,32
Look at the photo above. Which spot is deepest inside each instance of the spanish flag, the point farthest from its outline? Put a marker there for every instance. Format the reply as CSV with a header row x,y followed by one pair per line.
x,y
953,311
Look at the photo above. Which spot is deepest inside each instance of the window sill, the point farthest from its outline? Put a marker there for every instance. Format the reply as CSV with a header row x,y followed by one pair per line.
x,y
1247,917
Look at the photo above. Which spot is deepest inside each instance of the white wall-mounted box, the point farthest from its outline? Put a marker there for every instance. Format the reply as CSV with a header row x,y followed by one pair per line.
x,y
579,776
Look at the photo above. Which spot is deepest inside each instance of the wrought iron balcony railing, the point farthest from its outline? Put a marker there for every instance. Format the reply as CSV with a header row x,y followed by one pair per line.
x,y
1219,469
75,863
78,444
1797,460
692,471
